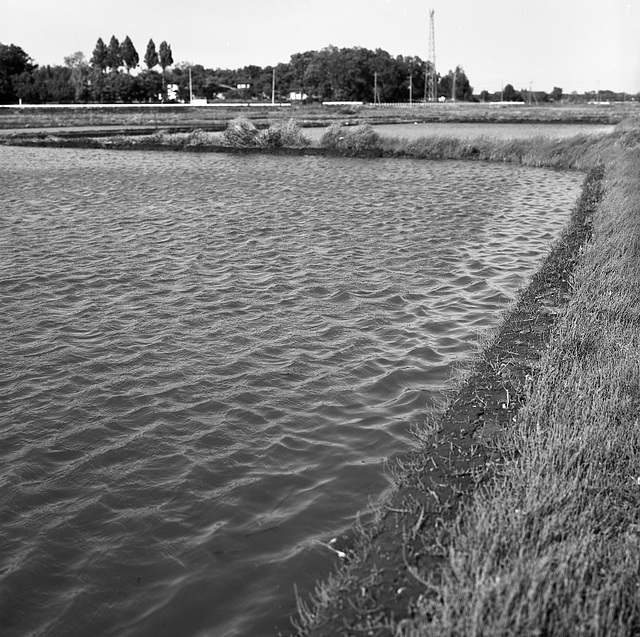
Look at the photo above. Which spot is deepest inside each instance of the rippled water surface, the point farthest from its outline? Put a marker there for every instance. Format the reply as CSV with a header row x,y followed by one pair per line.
x,y
206,359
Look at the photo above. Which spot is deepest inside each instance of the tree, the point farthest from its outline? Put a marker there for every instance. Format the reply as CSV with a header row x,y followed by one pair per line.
x,y
114,56
509,94
556,94
79,79
165,60
13,63
150,84
455,85
45,85
390,76
320,75
129,54
151,57
298,66
99,57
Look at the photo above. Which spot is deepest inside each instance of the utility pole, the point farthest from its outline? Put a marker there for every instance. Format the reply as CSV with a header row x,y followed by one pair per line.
x,y
376,96
432,79
411,89
453,85
273,87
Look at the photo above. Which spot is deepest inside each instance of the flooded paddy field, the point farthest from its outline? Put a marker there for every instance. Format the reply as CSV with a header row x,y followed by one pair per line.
x,y
208,358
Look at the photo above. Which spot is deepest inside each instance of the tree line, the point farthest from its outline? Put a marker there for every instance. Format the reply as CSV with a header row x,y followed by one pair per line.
x,y
114,74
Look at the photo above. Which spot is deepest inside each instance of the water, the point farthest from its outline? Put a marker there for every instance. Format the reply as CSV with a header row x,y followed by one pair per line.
x,y
206,359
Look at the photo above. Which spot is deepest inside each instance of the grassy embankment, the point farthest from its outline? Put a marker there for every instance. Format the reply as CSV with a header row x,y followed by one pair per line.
x,y
545,537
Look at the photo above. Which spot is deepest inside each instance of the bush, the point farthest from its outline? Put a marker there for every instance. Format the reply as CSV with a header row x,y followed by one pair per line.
x,y
287,134
240,132
360,137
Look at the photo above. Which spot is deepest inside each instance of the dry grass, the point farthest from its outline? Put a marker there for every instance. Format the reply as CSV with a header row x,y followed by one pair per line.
x,y
579,152
282,134
352,138
242,133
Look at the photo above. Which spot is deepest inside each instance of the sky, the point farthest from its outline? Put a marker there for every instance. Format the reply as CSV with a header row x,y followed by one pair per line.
x,y
577,45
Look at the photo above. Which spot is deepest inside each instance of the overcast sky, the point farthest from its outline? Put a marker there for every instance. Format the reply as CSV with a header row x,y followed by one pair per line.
x,y
580,45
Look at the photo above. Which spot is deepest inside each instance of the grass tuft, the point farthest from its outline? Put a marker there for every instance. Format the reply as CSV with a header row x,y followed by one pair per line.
x,y
353,138
286,134
240,133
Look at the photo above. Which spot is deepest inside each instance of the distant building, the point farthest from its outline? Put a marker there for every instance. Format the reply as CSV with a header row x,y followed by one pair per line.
x,y
172,92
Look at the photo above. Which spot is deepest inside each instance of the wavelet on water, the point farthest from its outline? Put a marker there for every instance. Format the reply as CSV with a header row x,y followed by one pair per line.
x,y
201,383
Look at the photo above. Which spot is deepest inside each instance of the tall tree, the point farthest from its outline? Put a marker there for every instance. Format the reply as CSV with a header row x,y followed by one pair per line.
x,y
151,57
114,56
99,57
165,59
13,62
164,54
129,54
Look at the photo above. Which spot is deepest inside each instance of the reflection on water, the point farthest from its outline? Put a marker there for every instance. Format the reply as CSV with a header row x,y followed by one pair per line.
x,y
208,357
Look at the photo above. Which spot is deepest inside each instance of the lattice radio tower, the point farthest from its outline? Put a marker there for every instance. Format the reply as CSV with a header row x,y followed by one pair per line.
x,y
432,79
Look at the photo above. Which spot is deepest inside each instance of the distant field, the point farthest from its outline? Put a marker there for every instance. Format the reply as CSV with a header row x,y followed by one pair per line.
x,y
215,117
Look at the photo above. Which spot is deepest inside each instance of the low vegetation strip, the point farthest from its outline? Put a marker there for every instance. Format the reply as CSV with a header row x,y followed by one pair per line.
x,y
579,152
524,521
